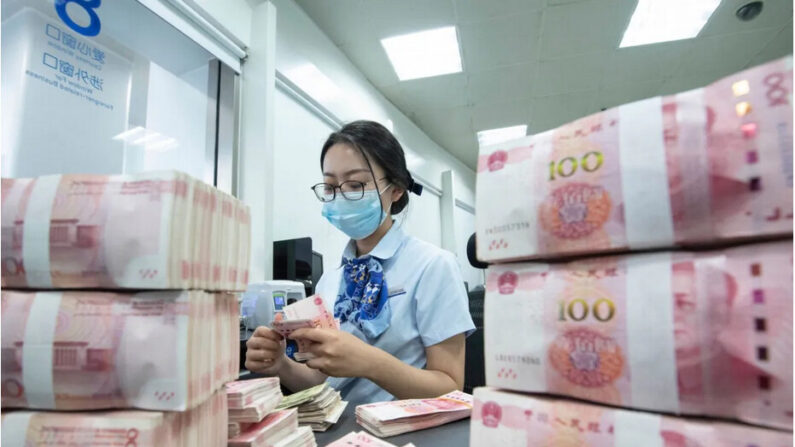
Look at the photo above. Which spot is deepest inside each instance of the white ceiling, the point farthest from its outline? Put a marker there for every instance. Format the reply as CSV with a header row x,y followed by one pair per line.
x,y
540,62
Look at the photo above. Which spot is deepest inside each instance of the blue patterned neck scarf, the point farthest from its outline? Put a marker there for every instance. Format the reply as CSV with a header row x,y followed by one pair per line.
x,y
365,302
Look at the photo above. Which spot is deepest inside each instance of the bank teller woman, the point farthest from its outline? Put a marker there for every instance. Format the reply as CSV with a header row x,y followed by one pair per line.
x,y
401,302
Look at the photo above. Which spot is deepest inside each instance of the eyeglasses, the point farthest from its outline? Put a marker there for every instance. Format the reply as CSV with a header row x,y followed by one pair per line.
x,y
351,190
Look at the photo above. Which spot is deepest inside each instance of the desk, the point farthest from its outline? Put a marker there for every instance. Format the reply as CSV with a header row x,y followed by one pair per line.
x,y
454,434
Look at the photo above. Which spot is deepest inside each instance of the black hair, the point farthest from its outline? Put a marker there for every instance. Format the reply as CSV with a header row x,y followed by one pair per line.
x,y
377,144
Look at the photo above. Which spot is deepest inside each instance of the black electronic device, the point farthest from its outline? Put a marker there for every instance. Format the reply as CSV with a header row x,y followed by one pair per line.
x,y
294,260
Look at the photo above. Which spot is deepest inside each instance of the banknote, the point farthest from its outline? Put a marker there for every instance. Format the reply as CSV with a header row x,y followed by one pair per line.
x,y
235,428
302,437
396,417
258,409
505,419
360,439
456,401
79,350
272,429
205,424
302,397
306,313
311,308
699,167
154,230
701,333
241,393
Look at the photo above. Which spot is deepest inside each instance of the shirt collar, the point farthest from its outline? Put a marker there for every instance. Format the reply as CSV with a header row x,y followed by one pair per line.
x,y
386,247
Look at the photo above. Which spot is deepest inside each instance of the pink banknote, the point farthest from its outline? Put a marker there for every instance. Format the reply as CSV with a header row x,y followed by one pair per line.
x,y
505,419
242,393
91,350
272,429
203,425
702,333
402,416
360,439
157,230
703,166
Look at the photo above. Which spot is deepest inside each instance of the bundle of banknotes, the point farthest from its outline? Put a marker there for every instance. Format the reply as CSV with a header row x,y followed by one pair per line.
x,y
279,428
80,350
307,313
506,419
242,393
251,400
318,407
708,165
202,425
154,230
702,333
362,439
392,418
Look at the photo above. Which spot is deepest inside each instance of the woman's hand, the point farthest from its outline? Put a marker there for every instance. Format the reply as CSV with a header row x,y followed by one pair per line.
x,y
265,352
337,353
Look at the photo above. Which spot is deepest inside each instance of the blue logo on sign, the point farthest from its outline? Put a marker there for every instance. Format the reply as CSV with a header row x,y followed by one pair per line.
x,y
90,7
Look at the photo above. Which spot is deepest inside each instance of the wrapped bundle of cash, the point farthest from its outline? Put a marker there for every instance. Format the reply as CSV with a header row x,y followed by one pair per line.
x,y
308,313
278,428
702,333
362,439
241,393
203,425
392,418
156,230
250,400
236,428
318,407
712,164
302,437
257,410
81,350
508,419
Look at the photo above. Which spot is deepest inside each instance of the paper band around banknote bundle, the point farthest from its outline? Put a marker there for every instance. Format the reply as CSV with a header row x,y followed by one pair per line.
x,y
634,330
154,230
520,420
76,350
679,170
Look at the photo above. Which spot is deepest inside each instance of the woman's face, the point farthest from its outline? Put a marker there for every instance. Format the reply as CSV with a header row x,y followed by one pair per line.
x,y
345,163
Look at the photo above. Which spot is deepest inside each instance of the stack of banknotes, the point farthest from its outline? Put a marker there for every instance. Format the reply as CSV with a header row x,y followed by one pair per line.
x,y
392,418
116,295
154,230
502,418
251,400
318,407
704,166
362,439
306,313
279,428
702,333
83,350
204,425
643,339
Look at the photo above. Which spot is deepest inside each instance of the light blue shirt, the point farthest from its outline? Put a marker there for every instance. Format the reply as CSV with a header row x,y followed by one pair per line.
x,y
428,300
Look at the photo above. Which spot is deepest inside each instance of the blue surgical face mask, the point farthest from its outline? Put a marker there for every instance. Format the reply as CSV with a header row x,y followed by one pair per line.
x,y
356,218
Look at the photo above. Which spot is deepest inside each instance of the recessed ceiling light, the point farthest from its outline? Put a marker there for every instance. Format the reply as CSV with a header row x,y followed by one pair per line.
x,y
495,136
423,54
316,84
662,21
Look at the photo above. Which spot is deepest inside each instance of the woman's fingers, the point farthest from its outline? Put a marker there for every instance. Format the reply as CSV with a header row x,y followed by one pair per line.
x,y
262,354
262,343
253,365
266,332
